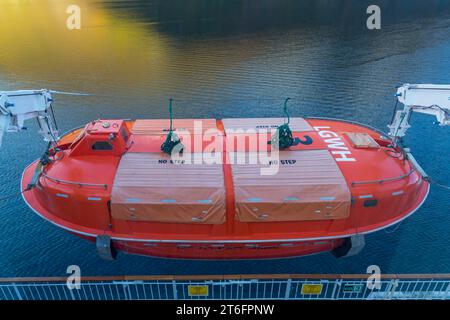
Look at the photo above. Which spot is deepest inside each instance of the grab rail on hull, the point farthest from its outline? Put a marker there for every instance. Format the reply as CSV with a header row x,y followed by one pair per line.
x,y
80,184
351,122
380,181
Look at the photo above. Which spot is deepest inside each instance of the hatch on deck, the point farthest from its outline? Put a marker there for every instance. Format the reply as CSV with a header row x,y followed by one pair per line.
x,y
308,186
232,125
162,126
151,187
362,140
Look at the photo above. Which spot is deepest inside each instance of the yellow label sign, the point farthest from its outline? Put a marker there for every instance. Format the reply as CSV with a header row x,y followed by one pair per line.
x,y
312,288
198,290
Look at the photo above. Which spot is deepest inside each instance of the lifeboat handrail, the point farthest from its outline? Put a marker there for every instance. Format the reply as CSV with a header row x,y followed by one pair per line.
x,y
380,181
352,122
80,184
71,130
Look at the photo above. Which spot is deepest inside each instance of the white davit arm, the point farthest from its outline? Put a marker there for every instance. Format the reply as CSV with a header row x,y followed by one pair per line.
x,y
430,99
18,106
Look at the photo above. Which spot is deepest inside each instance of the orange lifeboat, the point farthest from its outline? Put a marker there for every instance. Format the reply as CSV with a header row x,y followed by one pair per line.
x,y
227,192
110,183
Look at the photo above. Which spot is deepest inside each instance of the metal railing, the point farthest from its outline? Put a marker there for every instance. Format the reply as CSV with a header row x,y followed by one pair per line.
x,y
380,181
231,287
80,184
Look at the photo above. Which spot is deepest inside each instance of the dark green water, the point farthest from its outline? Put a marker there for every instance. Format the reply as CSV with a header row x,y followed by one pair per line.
x,y
224,59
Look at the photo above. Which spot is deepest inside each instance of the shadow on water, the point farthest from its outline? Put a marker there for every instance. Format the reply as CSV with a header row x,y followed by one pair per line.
x,y
200,18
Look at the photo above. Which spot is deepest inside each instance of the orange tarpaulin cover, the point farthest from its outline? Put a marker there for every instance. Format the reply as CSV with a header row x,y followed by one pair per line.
x,y
308,186
151,187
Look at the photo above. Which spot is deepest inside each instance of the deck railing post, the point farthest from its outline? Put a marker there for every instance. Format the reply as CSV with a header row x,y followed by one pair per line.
x,y
393,284
16,290
130,296
288,289
336,286
71,293
125,287
174,287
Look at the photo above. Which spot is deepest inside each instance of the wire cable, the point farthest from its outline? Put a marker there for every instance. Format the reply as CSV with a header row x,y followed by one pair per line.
x,y
440,185
71,93
14,195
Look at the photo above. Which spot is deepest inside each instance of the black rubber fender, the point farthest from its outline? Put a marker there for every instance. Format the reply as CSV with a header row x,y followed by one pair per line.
x,y
351,246
105,248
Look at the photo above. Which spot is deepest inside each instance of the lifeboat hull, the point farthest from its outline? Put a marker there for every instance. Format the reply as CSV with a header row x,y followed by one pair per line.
x,y
384,190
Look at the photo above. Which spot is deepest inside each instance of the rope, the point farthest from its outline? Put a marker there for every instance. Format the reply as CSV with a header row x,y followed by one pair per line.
x,y
170,114
14,195
395,111
440,185
394,154
447,113
172,139
395,228
72,93
286,110
283,138
187,99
